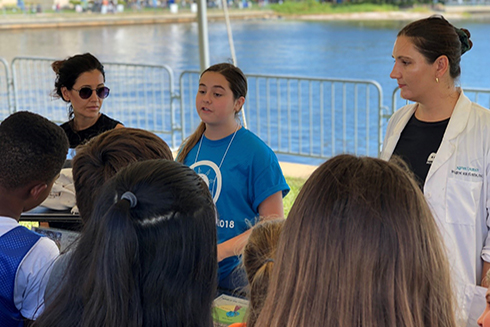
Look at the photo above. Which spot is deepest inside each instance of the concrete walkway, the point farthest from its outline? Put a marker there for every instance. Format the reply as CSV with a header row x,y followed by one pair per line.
x,y
297,170
60,20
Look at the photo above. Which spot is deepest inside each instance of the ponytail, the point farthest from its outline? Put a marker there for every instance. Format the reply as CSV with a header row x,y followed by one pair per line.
x,y
258,260
190,142
146,257
259,284
116,270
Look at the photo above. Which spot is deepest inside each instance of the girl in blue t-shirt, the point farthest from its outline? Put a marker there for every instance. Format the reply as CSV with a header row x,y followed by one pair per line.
x,y
242,172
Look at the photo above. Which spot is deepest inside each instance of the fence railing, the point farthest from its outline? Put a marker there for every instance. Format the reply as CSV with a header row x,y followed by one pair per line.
x,y
142,96
296,116
477,95
301,116
4,89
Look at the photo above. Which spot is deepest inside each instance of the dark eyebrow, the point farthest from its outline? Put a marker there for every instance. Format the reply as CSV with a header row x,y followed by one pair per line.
x,y
214,86
89,86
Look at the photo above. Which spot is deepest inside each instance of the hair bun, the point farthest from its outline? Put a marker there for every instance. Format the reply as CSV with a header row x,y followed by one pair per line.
x,y
57,66
464,38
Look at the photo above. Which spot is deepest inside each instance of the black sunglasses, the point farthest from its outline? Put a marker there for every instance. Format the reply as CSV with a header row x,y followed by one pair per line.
x,y
86,92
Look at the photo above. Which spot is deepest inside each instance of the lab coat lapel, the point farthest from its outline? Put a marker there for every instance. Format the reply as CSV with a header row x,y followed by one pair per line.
x,y
392,141
457,124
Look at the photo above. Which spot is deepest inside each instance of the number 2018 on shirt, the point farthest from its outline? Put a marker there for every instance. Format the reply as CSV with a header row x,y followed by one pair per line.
x,y
225,223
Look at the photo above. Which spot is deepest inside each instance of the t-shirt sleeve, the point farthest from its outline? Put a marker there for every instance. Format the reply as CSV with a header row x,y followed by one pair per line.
x,y
55,280
32,277
268,177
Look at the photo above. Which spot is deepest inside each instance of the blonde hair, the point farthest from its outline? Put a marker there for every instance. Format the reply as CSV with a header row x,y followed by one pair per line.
x,y
487,277
258,260
238,85
359,248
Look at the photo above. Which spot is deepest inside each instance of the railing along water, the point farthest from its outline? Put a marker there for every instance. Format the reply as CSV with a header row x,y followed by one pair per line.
x,y
477,95
296,116
4,89
142,96
301,116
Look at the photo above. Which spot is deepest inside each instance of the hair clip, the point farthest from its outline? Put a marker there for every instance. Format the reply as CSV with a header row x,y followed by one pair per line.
x,y
464,39
131,198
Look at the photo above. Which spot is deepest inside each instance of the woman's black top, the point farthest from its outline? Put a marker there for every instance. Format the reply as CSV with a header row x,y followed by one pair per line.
x,y
418,145
104,123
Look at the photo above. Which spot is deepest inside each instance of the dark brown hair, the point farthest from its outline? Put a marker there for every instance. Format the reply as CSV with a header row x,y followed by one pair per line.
x,y
150,261
435,36
238,85
359,248
104,155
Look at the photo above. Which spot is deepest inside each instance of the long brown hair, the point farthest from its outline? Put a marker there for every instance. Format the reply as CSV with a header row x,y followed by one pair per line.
x,y
144,260
238,85
258,260
359,248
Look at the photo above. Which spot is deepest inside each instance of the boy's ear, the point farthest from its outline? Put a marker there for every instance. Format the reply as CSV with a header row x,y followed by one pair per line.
x,y
38,190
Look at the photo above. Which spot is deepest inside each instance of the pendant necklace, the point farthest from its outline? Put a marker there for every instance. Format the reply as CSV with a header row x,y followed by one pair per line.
x,y
222,159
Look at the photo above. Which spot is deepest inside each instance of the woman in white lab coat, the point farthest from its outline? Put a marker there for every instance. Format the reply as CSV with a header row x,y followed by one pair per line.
x,y
445,140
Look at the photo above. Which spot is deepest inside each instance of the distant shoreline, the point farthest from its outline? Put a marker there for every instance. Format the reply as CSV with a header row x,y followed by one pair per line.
x,y
63,20
127,18
449,12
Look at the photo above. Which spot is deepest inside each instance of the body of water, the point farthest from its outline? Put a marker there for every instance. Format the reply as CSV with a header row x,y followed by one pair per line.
x,y
343,49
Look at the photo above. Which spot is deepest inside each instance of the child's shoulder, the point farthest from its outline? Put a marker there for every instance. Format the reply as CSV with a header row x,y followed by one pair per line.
x,y
252,148
14,233
253,139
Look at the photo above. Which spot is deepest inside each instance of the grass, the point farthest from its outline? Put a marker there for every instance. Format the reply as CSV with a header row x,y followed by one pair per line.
x,y
295,184
420,8
314,7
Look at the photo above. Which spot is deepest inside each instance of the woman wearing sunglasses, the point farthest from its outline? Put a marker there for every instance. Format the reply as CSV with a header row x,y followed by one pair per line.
x,y
80,82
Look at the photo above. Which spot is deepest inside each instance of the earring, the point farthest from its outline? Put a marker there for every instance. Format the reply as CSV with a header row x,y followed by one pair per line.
x,y
437,80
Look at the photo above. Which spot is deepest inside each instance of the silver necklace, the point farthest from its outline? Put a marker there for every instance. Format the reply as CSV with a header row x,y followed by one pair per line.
x,y
226,151
215,196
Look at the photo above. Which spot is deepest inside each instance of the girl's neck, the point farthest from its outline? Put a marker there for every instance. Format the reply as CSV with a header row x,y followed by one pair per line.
x,y
439,107
81,123
218,132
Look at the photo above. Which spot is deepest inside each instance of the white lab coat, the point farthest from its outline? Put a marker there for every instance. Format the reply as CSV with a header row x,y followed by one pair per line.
x,y
457,190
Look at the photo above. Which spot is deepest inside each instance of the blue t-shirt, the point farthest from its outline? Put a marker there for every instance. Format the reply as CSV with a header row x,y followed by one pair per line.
x,y
249,174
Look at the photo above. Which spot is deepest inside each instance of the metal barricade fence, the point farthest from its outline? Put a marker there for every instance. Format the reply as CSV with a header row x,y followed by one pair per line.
x,y
477,95
4,89
142,96
303,117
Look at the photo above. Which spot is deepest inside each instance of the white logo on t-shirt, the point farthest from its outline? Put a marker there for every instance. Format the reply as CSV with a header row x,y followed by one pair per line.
x,y
211,175
431,158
